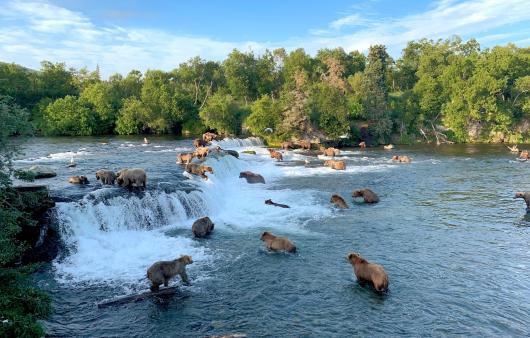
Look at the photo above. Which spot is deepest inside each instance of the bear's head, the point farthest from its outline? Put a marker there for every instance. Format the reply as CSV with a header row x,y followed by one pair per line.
x,y
269,201
265,235
519,194
355,258
207,168
185,259
357,193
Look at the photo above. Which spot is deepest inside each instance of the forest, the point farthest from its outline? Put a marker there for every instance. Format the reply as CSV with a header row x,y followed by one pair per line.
x,y
437,91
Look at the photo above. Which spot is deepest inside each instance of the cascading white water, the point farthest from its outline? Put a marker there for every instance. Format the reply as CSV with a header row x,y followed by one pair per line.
x,y
113,235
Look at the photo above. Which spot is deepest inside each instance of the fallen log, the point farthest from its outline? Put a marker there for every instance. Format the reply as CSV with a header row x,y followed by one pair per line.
x,y
162,293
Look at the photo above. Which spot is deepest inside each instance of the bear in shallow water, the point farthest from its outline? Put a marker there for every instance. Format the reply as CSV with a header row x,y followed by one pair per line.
x,y
106,176
367,272
200,143
201,152
401,159
286,145
277,243
337,165
202,227
161,272
198,169
368,195
339,201
270,202
185,158
209,137
331,152
275,154
135,177
78,180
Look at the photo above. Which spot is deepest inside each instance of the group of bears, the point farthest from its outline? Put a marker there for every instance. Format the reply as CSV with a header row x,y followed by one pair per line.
x,y
160,272
134,177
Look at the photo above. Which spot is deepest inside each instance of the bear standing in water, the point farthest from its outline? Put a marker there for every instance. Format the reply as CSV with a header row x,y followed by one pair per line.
x,y
161,272
277,243
526,197
367,272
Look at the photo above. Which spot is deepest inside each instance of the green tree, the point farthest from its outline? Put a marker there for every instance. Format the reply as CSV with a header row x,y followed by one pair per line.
x,y
70,116
223,114
21,305
241,74
132,117
105,103
330,110
375,95
265,113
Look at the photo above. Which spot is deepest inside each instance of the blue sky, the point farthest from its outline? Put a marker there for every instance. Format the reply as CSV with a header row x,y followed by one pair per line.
x,y
123,35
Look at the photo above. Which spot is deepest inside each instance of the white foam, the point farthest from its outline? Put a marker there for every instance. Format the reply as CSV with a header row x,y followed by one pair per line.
x,y
57,156
116,237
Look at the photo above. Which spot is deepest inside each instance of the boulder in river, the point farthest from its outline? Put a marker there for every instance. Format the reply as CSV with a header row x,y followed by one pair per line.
x,y
251,177
232,152
41,171
202,227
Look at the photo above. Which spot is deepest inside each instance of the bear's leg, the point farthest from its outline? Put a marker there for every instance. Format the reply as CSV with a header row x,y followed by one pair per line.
x,y
184,277
154,287
166,281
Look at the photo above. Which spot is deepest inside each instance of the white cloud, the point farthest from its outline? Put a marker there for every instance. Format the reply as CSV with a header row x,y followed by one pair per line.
x,y
34,31
348,21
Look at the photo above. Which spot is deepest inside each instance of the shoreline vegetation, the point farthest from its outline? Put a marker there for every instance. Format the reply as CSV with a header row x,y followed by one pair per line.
x,y
437,91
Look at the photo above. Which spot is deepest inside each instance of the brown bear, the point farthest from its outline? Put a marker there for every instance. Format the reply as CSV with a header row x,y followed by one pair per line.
x,y
401,159
106,176
339,201
270,202
135,177
525,196
276,243
78,180
251,177
209,137
524,155
185,158
161,272
304,144
202,227
368,195
286,145
362,145
201,152
337,165
200,143
275,154
198,169
331,152
368,272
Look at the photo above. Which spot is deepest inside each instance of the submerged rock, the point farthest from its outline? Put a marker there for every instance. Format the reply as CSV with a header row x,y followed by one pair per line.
x,y
232,152
250,152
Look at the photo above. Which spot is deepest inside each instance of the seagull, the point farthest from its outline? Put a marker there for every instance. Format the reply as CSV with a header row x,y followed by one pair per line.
x,y
146,141
72,163
268,130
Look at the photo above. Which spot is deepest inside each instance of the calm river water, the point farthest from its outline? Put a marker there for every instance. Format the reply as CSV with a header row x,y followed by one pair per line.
x,y
455,244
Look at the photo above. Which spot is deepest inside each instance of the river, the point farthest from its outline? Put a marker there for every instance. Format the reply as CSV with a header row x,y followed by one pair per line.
x,y
454,242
